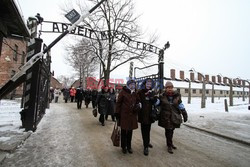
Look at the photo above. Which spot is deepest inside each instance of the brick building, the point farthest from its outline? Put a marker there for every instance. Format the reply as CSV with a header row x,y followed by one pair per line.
x,y
13,32
55,83
12,57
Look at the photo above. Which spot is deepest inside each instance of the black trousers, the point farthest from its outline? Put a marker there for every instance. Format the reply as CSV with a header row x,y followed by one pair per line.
x,y
169,136
126,137
112,116
101,118
79,103
93,103
145,131
72,98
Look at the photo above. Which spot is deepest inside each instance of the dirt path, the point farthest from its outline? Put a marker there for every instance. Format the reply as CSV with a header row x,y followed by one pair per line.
x,y
70,137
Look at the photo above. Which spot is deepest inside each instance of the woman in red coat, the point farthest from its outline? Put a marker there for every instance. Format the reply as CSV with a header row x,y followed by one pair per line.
x,y
127,107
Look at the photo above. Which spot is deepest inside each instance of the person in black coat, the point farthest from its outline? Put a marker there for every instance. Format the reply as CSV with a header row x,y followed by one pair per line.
x,y
102,103
147,99
87,97
94,93
66,95
79,97
111,106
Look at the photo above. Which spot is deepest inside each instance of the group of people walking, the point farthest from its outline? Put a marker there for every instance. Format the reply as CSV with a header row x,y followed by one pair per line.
x,y
141,105
132,106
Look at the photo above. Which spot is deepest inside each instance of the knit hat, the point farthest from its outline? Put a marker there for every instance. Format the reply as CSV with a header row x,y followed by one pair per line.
x,y
169,84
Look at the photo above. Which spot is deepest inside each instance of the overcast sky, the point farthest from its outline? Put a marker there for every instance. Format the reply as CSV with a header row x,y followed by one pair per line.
x,y
211,36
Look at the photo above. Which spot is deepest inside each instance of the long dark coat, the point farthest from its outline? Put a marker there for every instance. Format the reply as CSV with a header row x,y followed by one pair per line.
x,y
144,115
87,96
127,109
79,93
102,102
166,109
112,101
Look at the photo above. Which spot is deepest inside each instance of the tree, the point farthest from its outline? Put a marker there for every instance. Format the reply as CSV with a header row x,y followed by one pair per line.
x,y
82,60
66,81
115,17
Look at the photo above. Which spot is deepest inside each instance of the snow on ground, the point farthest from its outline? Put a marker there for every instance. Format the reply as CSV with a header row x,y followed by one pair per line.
x,y
9,115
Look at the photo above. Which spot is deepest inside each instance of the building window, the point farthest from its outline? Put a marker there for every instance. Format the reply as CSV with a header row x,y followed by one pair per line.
x,y
237,93
227,93
15,53
214,92
23,58
200,91
207,91
221,92
241,93
186,90
194,91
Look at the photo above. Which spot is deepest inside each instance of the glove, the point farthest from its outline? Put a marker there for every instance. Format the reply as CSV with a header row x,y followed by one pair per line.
x,y
185,119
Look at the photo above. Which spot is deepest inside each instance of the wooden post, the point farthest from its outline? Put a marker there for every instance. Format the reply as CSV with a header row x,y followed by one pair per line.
x,y
226,106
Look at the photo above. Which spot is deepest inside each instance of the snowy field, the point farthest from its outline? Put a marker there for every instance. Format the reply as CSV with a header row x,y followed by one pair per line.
x,y
9,115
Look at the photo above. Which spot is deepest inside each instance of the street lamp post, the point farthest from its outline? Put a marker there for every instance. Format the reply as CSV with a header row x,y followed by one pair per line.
x,y
161,65
244,84
203,101
189,90
212,99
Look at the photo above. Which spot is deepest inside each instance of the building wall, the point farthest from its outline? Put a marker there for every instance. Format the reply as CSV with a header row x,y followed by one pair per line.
x,y
13,56
217,93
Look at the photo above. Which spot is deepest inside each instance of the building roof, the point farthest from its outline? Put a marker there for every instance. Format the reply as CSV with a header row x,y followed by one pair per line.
x,y
11,20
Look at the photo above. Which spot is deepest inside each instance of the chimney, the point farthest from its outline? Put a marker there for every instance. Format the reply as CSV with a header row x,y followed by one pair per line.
x,y
213,79
199,77
207,78
182,75
192,76
172,74
219,79
224,80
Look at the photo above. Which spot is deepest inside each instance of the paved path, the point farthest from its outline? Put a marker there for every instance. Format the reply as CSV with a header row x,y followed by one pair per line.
x,y
70,137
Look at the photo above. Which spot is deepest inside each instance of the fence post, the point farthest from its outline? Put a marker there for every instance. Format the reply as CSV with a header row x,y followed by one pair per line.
x,y
226,106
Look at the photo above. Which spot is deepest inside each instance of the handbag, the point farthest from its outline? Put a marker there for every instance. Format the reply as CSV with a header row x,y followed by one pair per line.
x,y
115,137
176,117
95,112
155,113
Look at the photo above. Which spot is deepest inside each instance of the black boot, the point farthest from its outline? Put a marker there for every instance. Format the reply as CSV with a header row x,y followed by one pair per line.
x,y
150,145
170,150
130,150
124,150
146,151
173,147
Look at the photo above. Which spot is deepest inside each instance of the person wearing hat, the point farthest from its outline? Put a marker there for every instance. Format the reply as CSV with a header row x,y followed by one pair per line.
x,y
102,103
170,101
126,111
147,99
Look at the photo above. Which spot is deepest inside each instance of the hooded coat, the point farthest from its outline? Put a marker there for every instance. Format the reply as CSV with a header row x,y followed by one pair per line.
x,y
147,99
